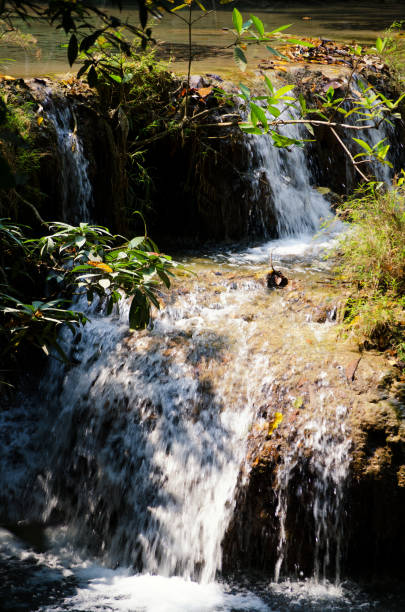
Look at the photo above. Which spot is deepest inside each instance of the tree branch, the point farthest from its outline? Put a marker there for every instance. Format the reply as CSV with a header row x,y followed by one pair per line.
x,y
340,141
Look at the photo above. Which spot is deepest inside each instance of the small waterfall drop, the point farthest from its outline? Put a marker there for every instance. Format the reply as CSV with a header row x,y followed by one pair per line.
x,y
315,469
75,187
151,435
298,207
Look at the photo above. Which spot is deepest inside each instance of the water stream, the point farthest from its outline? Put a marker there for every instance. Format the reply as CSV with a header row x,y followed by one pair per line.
x,y
75,184
120,470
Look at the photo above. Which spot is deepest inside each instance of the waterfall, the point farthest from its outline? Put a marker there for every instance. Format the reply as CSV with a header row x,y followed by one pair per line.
x,y
298,207
75,186
139,445
319,452
150,435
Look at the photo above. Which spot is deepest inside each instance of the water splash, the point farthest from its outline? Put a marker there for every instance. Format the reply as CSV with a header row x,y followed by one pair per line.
x,y
152,432
319,449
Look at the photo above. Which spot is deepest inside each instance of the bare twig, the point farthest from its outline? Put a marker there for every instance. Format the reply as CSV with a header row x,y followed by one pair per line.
x,y
342,144
34,210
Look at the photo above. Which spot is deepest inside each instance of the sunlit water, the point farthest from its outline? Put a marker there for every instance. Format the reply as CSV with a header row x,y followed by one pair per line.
x,y
203,334
359,21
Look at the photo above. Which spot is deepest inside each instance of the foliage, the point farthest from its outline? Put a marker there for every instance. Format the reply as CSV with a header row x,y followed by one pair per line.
x,y
82,20
268,112
74,260
253,32
19,157
372,263
391,48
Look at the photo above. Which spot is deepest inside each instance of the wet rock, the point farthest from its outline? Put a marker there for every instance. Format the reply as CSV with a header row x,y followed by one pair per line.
x,y
349,520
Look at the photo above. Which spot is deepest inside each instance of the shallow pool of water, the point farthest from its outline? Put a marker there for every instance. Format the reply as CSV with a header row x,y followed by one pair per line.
x,y
359,21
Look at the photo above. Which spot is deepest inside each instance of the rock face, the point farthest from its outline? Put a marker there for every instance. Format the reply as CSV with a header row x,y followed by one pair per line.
x,y
322,494
205,192
208,184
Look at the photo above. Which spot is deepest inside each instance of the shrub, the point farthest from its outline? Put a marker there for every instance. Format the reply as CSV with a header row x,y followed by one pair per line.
x,y
372,263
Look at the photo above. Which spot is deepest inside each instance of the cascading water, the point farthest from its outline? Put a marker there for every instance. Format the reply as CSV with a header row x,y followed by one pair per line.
x,y
298,207
75,187
321,444
138,445
162,445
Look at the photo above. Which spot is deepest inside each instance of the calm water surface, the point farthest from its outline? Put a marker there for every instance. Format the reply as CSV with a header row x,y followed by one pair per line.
x,y
360,21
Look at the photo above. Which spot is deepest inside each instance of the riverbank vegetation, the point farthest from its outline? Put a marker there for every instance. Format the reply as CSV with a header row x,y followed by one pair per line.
x,y
372,263
372,253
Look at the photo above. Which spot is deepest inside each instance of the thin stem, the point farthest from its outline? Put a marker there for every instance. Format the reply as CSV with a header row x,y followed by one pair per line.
x,y
190,58
363,176
34,210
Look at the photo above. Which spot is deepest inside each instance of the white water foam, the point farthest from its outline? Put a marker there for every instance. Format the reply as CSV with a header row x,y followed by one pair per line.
x,y
76,190
119,591
298,207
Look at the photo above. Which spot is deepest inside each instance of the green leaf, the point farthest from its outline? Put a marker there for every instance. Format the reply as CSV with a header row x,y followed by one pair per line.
x,y
116,78
379,45
280,29
274,111
139,312
310,128
275,52
303,43
240,58
135,242
92,77
237,20
258,23
283,141
164,277
269,84
245,91
283,90
363,144
104,283
73,49
249,129
260,114
80,241
178,8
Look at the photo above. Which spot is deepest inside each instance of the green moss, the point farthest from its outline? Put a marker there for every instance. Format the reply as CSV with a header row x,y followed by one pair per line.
x,y
19,155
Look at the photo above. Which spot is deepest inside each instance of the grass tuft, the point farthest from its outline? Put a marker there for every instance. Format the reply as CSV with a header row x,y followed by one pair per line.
x,y
372,264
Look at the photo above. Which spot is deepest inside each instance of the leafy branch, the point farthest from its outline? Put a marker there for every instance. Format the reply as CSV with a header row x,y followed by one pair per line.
x,y
84,259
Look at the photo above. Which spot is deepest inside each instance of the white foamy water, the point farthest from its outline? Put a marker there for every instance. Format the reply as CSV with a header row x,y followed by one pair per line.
x,y
302,248
75,189
146,593
299,209
321,439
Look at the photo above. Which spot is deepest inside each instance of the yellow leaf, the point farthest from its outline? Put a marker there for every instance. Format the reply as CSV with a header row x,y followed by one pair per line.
x,y
102,266
204,91
40,120
278,417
